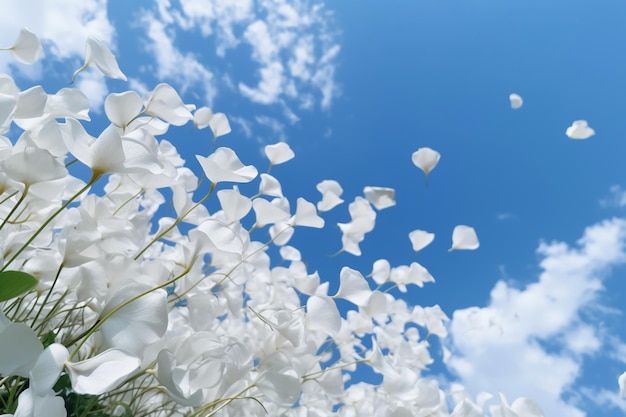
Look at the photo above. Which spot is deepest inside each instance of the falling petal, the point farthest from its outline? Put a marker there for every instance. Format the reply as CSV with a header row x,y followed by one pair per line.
x,y
323,315
270,186
31,103
622,385
224,165
235,205
380,271
202,117
165,103
579,130
420,239
268,213
278,153
426,159
98,54
219,125
516,101
353,287
331,193
380,197
464,237
122,108
306,215
27,48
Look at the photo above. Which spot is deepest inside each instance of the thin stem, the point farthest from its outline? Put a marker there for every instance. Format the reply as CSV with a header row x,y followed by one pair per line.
x,y
93,179
9,196
45,300
176,223
20,201
85,335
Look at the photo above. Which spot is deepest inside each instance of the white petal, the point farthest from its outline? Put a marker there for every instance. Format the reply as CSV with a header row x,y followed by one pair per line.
x,y
137,324
306,215
579,130
282,388
8,105
219,125
202,117
426,159
268,213
281,233
420,239
177,385
353,287
97,53
622,385
278,153
467,408
100,374
224,165
516,101
331,192
524,407
289,253
270,186
235,205
123,107
380,197
322,315
33,165
380,271
48,368
464,237
20,349
29,404
31,103
27,48
165,103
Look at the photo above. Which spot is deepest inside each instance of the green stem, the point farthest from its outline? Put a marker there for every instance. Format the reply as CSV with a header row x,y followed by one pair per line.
x,y
93,179
45,300
20,201
176,223
85,335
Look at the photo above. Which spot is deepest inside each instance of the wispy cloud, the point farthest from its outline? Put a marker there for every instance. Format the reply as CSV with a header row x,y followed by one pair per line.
x,y
505,216
171,64
532,341
63,26
93,84
616,198
291,49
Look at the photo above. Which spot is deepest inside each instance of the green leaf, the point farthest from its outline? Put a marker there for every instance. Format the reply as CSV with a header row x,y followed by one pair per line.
x,y
47,339
15,283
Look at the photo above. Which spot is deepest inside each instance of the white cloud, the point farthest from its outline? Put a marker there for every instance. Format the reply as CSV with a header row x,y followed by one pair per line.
x,y
505,216
244,124
605,398
532,341
276,127
93,84
617,197
291,47
61,24
171,64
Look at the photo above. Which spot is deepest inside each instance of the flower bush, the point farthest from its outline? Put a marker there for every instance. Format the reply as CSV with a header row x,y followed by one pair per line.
x,y
108,307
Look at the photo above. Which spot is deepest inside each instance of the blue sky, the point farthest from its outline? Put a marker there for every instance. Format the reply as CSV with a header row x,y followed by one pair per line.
x,y
355,88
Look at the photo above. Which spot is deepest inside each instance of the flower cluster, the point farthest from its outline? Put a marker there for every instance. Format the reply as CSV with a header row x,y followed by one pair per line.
x,y
109,307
